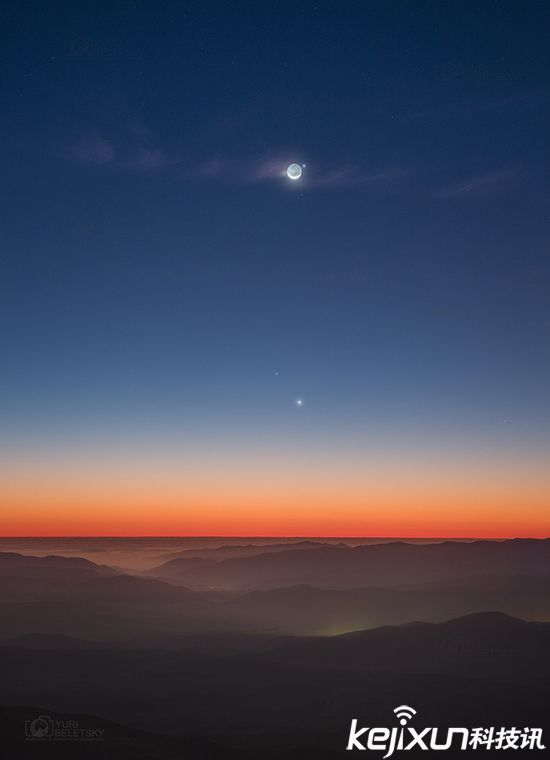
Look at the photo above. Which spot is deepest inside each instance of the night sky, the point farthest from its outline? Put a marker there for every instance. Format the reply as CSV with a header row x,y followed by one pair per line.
x,y
194,343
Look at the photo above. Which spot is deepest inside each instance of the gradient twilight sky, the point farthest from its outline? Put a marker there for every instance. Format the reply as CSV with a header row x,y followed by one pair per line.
x,y
167,295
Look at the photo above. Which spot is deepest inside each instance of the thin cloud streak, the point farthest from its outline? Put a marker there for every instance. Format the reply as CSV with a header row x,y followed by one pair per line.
x,y
94,149
483,185
269,169
241,171
348,175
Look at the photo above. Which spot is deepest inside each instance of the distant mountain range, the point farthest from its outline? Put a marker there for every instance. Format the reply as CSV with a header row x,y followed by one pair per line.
x,y
219,553
271,653
75,597
295,694
30,565
481,644
354,567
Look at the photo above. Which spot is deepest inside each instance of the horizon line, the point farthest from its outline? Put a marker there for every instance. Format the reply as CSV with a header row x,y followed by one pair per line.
x,y
280,536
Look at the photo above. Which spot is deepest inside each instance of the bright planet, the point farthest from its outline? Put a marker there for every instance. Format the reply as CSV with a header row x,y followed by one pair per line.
x,y
294,171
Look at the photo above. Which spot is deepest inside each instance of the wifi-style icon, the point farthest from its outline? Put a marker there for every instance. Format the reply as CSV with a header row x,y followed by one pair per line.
x,y
404,713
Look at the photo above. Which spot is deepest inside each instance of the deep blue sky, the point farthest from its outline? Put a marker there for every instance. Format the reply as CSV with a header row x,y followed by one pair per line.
x,y
157,274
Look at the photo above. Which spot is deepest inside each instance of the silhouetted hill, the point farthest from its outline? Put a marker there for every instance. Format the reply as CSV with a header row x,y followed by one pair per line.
x,y
374,565
45,641
120,742
308,610
111,742
127,588
220,553
176,569
25,578
114,608
482,670
51,564
121,607
488,644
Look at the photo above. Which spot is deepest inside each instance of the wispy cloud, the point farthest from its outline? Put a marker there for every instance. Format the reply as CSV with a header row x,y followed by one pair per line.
x,y
139,154
241,171
151,159
94,148
345,176
482,185
237,170
269,169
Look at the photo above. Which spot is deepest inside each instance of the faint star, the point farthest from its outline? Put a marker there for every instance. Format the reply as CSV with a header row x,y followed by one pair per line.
x,y
299,402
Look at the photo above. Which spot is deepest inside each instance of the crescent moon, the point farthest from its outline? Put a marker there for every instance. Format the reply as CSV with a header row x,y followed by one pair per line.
x,y
294,171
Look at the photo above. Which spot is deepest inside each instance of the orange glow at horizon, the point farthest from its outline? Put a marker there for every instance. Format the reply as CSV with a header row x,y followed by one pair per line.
x,y
404,503
250,490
